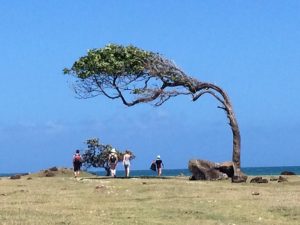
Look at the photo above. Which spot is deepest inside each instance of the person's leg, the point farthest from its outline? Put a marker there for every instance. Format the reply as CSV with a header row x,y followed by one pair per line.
x,y
127,171
159,171
125,168
111,169
74,169
111,172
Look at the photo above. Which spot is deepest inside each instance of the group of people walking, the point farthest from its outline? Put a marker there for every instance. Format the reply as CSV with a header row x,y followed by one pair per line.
x,y
113,160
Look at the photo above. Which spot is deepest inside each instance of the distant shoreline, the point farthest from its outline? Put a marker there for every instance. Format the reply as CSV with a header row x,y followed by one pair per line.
x,y
251,171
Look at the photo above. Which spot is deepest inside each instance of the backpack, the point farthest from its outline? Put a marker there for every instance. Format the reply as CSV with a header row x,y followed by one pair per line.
x,y
113,158
77,157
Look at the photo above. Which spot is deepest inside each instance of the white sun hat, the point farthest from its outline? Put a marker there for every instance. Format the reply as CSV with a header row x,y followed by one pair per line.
x,y
113,150
158,157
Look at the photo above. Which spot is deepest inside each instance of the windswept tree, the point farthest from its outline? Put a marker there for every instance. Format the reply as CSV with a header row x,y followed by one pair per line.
x,y
135,76
96,155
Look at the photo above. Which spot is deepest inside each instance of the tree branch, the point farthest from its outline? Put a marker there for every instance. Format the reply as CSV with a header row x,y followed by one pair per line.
x,y
208,92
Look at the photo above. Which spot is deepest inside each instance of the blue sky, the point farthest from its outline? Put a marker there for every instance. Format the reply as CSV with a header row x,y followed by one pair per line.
x,y
249,48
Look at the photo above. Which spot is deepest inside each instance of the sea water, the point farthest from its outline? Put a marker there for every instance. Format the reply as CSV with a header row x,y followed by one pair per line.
x,y
251,171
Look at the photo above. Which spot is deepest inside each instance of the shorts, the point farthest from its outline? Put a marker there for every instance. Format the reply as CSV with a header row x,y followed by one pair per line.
x,y
126,164
76,166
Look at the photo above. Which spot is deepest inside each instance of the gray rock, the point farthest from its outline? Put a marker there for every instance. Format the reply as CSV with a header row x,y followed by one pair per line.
x,y
205,170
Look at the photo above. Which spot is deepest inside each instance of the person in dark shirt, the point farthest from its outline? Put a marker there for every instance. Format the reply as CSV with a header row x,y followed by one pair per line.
x,y
159,165
77,162
113,161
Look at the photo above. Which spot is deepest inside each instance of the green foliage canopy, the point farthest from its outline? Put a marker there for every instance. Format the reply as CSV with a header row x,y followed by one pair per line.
x,y
129,73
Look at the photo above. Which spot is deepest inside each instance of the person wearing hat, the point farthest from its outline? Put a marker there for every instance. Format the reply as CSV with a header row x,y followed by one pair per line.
x,y
112,162
159,165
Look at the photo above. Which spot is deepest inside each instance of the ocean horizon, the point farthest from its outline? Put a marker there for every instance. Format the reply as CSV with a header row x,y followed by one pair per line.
x,y
251,171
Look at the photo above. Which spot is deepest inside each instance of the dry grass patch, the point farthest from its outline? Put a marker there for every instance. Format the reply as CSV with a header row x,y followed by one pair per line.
x,y
66,200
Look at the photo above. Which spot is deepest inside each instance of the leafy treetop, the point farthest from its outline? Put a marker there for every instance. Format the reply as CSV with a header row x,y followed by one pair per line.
x,y
131,74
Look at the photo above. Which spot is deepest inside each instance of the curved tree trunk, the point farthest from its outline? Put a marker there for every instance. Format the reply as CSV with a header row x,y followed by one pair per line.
x,y
236,145
206,88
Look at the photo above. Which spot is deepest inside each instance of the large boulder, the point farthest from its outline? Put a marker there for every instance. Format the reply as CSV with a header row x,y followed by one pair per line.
x,y
226,167
237,176
205,170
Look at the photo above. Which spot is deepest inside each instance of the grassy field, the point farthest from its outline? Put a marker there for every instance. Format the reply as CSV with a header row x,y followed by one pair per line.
x,y
66,200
